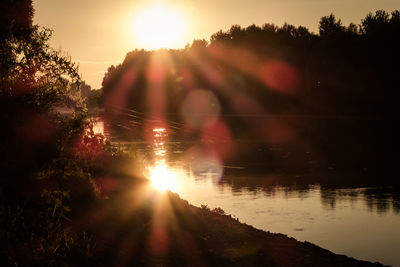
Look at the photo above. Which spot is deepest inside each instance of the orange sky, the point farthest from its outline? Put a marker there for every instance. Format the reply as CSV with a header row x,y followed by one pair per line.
x,y
98,33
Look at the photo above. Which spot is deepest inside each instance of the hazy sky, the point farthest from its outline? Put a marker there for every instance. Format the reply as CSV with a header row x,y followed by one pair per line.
x,y
98,33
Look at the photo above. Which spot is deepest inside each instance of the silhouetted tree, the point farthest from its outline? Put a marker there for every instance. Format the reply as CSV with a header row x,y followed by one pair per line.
x,y
108,75
199,44
16,18
373,24
329,25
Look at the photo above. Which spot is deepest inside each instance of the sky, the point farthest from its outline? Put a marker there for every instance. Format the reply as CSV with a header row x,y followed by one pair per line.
x,y
99,33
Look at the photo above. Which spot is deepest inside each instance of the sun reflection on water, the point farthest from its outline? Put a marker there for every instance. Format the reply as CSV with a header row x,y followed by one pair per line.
x,y
162,177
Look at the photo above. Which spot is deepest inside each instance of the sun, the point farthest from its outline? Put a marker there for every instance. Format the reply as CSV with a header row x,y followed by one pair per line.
x,y
159,26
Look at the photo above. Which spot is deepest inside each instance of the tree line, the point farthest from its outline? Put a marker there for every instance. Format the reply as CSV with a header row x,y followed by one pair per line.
x,y
335,92
342,70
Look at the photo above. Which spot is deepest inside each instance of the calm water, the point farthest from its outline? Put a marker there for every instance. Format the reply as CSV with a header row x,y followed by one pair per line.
x,y
363,223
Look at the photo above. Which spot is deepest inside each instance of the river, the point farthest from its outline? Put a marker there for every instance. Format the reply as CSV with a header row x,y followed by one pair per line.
x,y
360,222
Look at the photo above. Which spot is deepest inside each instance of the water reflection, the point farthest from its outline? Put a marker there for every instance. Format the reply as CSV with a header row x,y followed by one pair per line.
x,y
359,222
201,165
161,175
98,126
380,200
376,199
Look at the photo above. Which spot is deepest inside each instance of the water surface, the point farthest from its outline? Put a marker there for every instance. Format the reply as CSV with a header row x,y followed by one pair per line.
x,y
361,222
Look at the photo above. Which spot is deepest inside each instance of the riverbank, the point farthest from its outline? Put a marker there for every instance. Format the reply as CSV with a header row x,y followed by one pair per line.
x,y
138,225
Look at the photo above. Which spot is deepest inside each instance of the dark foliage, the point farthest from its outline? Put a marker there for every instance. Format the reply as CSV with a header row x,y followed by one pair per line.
x,y
46,158
333,94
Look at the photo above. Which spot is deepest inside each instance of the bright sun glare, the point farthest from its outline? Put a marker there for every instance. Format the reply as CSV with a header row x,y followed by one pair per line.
x,y
159,27
162,178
